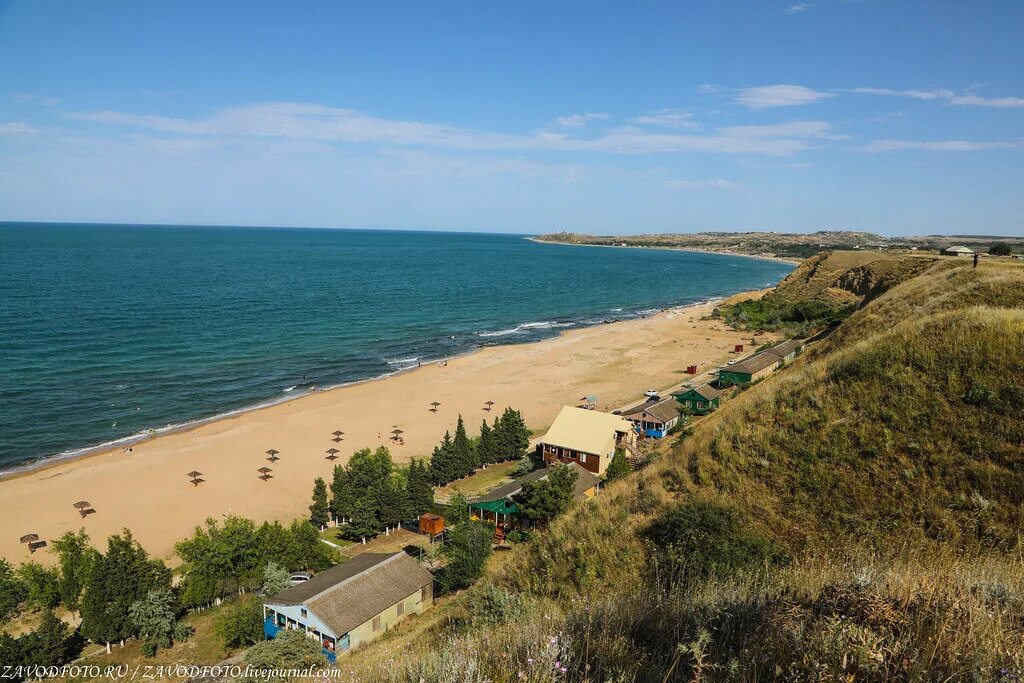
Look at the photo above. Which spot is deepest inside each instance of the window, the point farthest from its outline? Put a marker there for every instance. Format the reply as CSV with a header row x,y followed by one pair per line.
x,y
583,458
376,623
303,613
401,608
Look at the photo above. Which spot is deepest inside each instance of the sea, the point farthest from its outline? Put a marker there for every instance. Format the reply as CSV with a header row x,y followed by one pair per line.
x,y
111,333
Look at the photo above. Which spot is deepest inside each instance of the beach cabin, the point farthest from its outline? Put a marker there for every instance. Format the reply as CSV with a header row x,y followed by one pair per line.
x,y
352,603
750,369
654,418
698,400
787,350
958,251
497,505
586,437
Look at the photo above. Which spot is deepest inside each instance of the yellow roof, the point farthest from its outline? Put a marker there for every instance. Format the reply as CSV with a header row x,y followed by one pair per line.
x,y
587,431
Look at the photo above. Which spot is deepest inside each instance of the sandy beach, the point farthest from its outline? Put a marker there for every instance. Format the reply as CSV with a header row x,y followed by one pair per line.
x,y
148,491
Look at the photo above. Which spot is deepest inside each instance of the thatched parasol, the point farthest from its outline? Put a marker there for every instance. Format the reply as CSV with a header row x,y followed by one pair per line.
x,y
272,452
434,405
488,404
337,435
265,477
82,504
273,458
194,474
264,470
29,538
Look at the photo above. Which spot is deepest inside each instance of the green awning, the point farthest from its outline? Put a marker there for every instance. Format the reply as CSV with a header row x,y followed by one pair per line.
x,y
503,506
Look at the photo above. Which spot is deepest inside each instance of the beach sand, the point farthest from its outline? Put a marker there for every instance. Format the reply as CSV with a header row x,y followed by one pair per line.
x,y
148,490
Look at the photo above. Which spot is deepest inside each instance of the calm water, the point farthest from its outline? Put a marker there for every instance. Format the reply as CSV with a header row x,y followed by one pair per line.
x,y
108,331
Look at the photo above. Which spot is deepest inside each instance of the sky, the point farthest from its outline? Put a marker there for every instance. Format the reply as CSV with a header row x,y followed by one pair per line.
x,y
893,116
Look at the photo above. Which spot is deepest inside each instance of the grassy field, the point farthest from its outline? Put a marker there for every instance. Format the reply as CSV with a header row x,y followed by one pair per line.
x,y
477,483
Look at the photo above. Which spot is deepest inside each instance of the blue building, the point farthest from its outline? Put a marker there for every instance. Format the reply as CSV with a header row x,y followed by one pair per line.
x,y
654,418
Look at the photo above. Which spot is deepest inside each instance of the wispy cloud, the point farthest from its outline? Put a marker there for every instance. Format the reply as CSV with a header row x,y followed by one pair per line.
x,y
668,118
16,128
25,97
580,120
799,7
314,122
968,99
940,145
784,95
713,184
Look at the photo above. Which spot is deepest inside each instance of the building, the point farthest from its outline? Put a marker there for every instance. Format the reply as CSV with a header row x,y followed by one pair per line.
x,y
654,418
698,400
352,603
497,505
750,369
958,251
786,350
587,437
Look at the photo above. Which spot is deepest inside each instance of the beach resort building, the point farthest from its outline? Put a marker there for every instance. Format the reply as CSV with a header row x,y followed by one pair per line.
x,y
352,603
786,350
586,437
761,364
698,400
958,250
497,505
654,418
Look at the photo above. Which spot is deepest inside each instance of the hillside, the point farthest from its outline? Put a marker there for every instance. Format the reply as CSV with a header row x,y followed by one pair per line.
x,y
787,245
856,516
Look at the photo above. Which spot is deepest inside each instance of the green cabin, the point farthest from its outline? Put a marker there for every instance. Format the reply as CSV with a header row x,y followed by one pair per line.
x,y
698,400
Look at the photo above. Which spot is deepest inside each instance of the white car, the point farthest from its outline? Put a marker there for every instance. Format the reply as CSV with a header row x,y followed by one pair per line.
x,y
299,577
651,393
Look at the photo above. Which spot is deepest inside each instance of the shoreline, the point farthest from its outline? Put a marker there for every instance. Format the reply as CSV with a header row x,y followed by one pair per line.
x,y
760,257
153,433
147,490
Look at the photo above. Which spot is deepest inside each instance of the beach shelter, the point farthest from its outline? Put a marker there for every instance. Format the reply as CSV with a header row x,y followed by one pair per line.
x,y
337,435
488,404
195,474
396,433
272,452
332,453
265,473
82,504
29,538
434,405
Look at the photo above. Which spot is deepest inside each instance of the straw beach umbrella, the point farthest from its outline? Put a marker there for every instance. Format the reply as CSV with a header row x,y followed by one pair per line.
x,y
337,435
265,473
29,538
488,404
332,454
434,405
273,453
82,504
195,474
396,432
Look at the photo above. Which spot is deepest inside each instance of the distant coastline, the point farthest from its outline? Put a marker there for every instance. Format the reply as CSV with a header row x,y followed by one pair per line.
x,y
763,257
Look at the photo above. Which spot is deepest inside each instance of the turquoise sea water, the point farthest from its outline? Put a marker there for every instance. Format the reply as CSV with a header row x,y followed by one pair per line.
x,y
109,331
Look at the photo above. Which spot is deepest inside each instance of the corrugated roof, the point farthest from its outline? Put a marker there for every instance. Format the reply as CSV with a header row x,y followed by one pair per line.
x,y
351,593
785,348
755,363
707,391
585,480
588,431
662,410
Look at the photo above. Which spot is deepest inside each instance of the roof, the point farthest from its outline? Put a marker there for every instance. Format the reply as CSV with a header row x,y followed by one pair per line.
x,y
585,480
705,391
661,410
351,593
785,348
587,431
752,364
959,249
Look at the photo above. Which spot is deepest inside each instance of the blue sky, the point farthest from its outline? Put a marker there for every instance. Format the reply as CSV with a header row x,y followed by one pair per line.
x,y
898,117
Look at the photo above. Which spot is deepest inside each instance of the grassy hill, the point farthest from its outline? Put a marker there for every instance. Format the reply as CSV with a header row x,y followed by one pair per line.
x,y
856,516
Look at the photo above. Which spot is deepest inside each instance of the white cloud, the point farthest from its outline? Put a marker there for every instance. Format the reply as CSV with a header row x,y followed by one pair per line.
x,y
668,118
16,128
31,97
580,120
799,7
714,184
767,96
966,99
318,123
939,145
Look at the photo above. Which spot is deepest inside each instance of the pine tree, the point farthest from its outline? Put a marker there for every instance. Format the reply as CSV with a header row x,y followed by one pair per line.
x,y
512,435
457,511
391,504
364,522
342,493
485,445
541,501
75,559
442,462
618,467
319,511
464,453
419,488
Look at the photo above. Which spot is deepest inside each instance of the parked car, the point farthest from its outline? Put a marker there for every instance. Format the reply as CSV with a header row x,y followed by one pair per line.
x,y
651,393
299,577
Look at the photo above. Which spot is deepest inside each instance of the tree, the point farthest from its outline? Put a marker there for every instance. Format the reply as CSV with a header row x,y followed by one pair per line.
x,y
485,445
524,466
457,511
288,650
75,558
419,489
542,500
343,495
618,467
51,644
240,624
319,511
512,436
275,579
391,503
468,546
42,586
12,590
442,462
311,552
223,559
154,616
119,578
1000,249
464,454
364,523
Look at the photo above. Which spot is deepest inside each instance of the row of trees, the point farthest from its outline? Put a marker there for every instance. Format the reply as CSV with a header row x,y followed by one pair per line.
x,y
371,494
233,557
457,457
